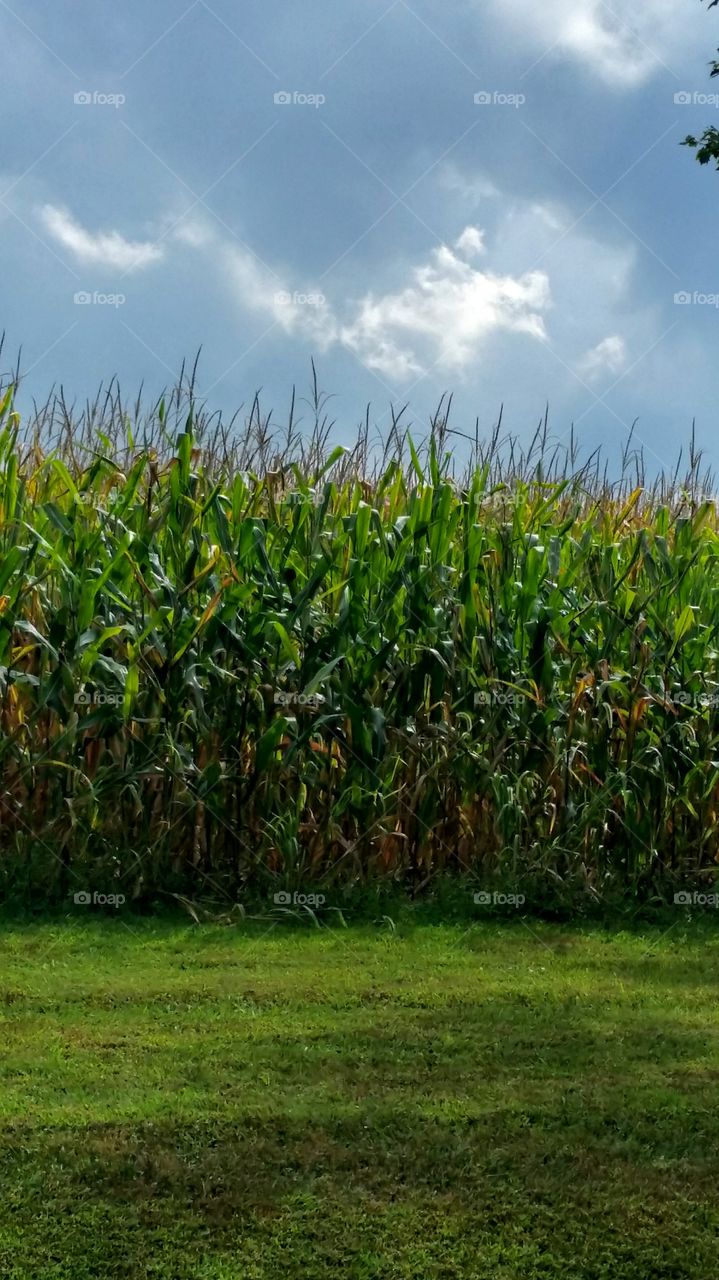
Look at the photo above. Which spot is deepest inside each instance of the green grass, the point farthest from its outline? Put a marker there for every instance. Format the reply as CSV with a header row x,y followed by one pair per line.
x,y
492,1101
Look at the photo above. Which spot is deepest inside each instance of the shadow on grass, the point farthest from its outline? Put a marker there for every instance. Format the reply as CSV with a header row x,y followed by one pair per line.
x,y
377,1131
480,1127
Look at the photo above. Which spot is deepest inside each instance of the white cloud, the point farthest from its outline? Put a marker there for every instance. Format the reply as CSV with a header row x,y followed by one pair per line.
x,y
301,312
609,355
440,317
471,242
198,235
444,314
623,43
445,309
470,189
100,248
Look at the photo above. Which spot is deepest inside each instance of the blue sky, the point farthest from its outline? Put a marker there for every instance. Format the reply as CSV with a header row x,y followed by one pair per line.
x,y
487,198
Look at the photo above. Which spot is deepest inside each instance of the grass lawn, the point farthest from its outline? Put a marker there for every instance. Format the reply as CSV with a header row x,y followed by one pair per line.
x,y
435,1101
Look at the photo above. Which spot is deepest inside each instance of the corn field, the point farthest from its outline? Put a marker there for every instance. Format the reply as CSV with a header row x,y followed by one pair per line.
x,y
235,659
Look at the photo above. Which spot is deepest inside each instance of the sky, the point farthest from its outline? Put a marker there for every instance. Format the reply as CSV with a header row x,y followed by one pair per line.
x,y
484,198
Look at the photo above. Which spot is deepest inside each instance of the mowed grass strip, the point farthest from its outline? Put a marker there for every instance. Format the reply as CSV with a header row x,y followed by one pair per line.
x,y
437,1101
